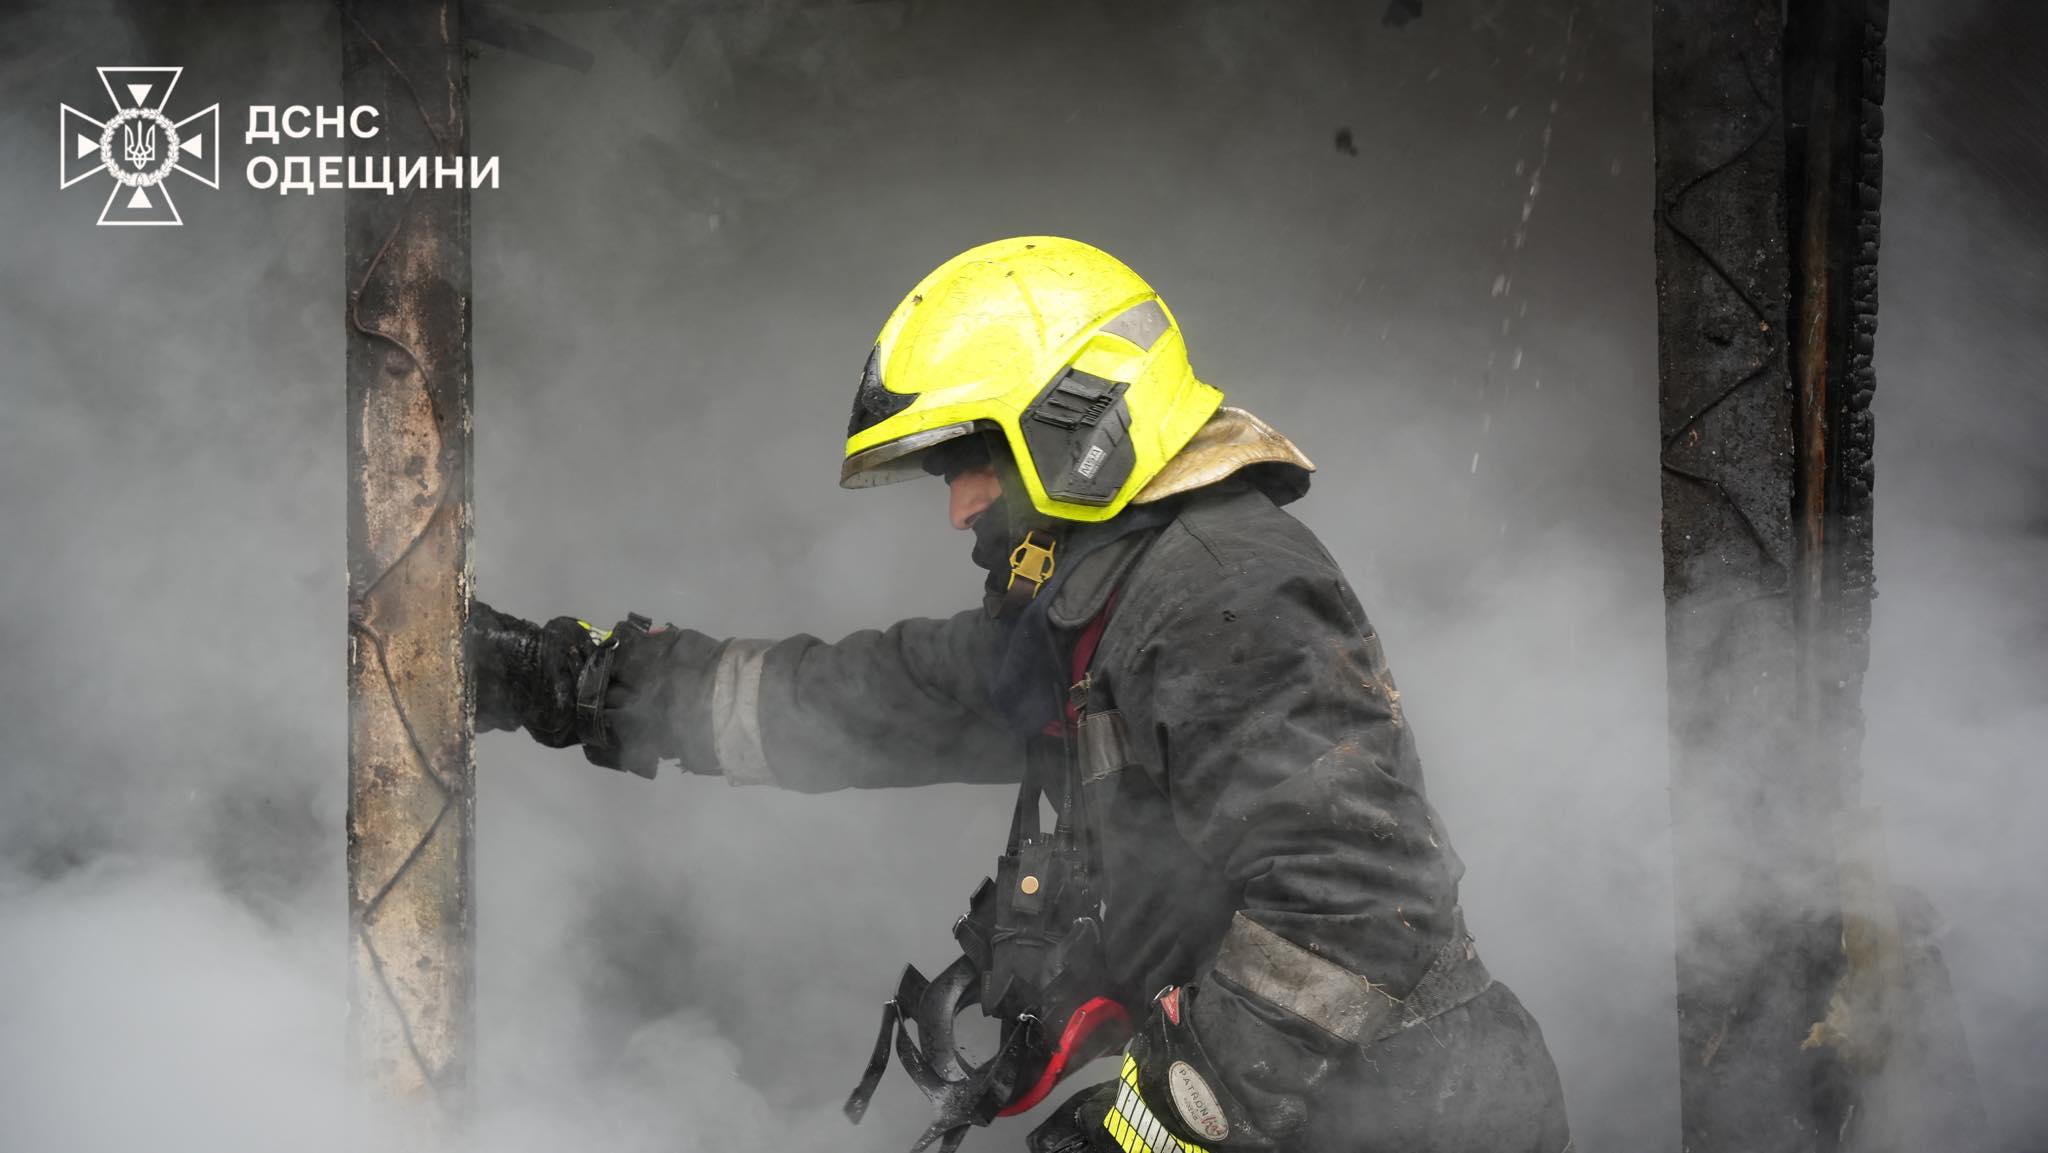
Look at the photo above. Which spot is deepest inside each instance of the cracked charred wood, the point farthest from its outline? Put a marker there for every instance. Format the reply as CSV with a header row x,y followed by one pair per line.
x,y
410,798
1762,761
1892,1022
1814,1011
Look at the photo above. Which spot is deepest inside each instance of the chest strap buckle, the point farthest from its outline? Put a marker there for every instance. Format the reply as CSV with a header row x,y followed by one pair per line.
x,y
1032,561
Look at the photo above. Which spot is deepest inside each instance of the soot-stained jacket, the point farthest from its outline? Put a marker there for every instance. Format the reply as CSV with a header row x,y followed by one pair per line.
x,y
1273,814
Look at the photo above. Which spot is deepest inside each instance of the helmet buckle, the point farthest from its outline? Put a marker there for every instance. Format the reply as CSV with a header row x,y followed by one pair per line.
x,y
1031,561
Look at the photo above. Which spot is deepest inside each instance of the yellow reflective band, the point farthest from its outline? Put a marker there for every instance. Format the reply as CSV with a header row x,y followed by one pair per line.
x,y
1132,1125
596,634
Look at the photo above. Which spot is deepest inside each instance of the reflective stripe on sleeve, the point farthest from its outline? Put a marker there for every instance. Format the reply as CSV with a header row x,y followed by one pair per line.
x,y
1314,988
736,713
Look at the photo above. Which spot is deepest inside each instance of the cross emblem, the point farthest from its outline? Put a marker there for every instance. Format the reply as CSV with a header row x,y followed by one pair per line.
x,y
139,146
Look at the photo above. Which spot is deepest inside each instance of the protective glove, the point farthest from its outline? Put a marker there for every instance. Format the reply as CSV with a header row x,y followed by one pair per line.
x,y
1112,1117
1170,1071
1169,1097
620,708
569,684
524,674
1076,1126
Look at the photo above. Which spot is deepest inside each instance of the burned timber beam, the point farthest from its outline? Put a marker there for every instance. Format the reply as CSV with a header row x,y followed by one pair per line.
x,y
1790,965
1758,924
411,796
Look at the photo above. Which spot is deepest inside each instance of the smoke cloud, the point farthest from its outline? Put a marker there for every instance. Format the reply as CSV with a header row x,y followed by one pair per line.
x,y
1449,306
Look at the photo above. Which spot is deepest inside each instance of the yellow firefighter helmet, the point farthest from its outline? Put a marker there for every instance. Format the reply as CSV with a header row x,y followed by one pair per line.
x,y
1056,345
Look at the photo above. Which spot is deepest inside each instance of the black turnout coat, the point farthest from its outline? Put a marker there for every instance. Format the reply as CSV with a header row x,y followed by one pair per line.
x,y
1275,801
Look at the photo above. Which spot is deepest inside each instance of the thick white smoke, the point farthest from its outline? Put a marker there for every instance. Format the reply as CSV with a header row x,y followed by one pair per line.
x,y
674,290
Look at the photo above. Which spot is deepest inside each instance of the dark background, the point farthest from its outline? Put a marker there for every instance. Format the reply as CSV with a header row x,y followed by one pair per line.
x,y
691,251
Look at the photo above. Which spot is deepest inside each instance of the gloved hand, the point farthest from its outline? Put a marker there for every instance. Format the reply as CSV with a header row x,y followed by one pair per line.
x,y
1076,1126
525,674
568,684
620,708
1112,1117
1169,1097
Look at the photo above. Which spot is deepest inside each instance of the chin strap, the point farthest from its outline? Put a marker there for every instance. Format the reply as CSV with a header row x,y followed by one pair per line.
x,y
1033,558
1031,565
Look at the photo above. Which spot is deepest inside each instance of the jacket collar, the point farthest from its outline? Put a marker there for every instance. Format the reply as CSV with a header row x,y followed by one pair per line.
x,y
1086,590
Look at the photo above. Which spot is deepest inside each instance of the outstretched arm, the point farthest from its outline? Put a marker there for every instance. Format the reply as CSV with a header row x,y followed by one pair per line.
x,y
905,705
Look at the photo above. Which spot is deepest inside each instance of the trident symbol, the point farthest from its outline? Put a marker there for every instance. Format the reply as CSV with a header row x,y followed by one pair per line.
x,y
139,151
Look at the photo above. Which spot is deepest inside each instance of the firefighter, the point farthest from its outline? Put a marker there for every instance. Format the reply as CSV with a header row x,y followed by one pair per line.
x,y
1281,919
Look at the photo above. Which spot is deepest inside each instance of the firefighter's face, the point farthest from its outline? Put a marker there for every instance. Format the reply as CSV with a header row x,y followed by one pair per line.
x,y
975,490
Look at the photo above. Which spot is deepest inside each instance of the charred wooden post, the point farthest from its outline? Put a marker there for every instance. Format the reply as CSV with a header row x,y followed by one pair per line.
x,y
1768,118
1833,89
1892,1023
411,796
1758,930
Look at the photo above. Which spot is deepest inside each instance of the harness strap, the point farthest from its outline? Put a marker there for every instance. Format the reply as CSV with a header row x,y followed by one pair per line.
x,y
1030,936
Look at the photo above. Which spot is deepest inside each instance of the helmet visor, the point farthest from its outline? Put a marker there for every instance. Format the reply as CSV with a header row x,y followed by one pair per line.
x,y
900,459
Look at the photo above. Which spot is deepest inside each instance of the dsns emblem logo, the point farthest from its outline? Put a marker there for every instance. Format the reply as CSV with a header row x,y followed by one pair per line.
x,y
139,146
